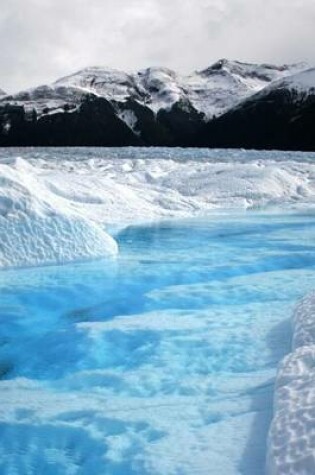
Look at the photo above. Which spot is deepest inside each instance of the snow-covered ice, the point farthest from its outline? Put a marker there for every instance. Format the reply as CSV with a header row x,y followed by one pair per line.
x,y
39,227
55,205
146,364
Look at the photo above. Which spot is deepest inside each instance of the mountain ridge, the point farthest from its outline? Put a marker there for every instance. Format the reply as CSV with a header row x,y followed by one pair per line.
x,y
154,106
281,116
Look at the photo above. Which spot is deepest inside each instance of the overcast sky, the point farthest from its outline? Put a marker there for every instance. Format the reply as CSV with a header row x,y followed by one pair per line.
x,y
42,40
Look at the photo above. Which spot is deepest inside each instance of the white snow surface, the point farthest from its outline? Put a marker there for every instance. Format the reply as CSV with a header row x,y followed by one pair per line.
x,y
303,82
212,91
291,448
39,227
56,204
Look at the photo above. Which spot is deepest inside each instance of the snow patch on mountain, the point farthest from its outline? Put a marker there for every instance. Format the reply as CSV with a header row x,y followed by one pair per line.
x,y
130,118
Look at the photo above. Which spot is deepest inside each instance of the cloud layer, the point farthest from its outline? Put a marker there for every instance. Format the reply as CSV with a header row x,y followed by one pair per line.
x,y
42,40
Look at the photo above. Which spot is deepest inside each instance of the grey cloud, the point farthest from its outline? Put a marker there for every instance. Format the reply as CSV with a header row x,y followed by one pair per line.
x,y
42,40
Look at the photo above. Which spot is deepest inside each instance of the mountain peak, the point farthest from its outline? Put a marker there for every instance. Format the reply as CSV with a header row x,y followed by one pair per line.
x,y
157,70
265,71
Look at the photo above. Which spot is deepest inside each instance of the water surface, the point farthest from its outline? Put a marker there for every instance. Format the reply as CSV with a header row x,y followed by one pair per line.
x,y
161,362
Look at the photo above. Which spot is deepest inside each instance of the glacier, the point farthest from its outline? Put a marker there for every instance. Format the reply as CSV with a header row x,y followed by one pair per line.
x,y
56,205
132,391
147,365
291,438
39,227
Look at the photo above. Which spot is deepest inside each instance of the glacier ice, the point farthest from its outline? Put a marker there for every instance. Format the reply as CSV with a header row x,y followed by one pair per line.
x,y
292,438
55,205
151,367
39,227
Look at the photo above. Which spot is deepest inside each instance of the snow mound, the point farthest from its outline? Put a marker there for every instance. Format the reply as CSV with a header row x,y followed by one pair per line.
x,y
39,227
291,448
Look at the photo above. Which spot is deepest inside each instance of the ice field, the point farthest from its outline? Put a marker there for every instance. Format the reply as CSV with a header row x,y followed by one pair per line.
x,y
154,349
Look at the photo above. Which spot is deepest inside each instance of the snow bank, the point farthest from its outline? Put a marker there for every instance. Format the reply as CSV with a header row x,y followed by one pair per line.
x,y
291,448
39,227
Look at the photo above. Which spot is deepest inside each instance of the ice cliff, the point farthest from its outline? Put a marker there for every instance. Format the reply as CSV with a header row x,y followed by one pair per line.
x,y
39,227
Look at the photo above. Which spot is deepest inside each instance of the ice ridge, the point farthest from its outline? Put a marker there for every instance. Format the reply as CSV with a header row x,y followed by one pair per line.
x,y
291,444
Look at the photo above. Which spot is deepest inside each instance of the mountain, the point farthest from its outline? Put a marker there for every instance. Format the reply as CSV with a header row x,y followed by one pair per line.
x,y
281,116
155,106
2,93
211,91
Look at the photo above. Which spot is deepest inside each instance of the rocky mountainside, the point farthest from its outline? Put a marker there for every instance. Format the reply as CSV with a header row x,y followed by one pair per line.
x,y
156,106
281,116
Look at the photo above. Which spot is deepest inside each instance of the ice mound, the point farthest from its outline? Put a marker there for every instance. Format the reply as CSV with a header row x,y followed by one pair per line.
x,y
123,186
40,227
292,435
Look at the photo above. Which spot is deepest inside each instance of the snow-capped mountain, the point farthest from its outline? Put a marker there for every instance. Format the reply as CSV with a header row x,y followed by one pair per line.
x,y
155,106
2,93
280,116
211,91
225,83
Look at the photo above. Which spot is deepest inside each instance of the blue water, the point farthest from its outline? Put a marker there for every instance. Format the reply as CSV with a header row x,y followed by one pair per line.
x,y
162,362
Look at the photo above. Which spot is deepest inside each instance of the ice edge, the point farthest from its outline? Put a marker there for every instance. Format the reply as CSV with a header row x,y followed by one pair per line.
x,y
291,441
